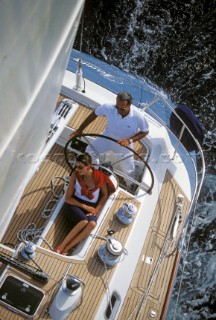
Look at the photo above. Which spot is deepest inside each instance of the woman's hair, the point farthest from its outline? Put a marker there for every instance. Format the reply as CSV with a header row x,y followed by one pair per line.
x,y
84,158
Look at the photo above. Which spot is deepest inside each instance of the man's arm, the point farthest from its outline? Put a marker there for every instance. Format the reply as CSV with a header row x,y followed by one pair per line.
x,y
139,135
85,123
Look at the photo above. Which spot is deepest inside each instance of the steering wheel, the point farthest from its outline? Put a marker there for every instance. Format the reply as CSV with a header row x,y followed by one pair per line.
x,y
109,165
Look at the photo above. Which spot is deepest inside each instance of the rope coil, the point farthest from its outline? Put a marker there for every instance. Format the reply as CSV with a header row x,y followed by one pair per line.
x,y
47,212
30,233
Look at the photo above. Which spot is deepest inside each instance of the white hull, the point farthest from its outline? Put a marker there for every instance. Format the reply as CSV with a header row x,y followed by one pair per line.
x,y
137,286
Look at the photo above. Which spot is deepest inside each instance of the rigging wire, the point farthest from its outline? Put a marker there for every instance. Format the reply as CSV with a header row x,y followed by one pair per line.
x,y
81,43
81,32
193,217
184,259
167,245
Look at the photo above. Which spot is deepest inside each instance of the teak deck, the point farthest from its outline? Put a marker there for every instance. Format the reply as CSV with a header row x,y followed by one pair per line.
x,y
93,273
90,270
97,126
38,193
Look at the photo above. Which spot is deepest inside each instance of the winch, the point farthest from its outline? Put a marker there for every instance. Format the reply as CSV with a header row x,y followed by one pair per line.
x,y
126,214
110,252
28,252
67,299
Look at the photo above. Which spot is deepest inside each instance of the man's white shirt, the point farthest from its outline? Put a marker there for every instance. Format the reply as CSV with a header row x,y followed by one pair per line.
x,y
119,127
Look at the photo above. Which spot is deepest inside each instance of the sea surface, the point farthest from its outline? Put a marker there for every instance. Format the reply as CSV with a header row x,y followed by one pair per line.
x,y
172,44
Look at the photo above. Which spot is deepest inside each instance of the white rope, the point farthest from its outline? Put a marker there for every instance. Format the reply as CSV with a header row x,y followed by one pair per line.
x,y
29,233
66,180
47,212
106,271
107,286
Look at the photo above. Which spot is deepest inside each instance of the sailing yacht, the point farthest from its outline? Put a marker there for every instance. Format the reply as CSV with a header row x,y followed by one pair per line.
x,y
125,269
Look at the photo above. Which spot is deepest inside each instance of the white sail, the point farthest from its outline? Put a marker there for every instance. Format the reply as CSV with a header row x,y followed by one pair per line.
x,y
35,41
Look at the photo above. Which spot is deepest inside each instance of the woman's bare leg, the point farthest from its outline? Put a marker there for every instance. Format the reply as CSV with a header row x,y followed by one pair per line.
x,y
72,234
82,235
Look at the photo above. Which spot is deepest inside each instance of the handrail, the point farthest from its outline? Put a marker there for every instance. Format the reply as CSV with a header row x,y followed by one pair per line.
x,y
199,182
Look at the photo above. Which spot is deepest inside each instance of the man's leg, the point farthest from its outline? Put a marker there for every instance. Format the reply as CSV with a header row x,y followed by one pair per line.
x,y
127,165
97,148
100,146
125,160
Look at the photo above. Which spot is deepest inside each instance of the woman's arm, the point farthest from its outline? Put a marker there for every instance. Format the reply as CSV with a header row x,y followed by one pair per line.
x,y
69,198
70,189
69,193
103,199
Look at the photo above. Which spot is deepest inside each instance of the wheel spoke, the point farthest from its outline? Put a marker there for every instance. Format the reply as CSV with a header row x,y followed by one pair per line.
x,y
142,185
118,161
101,158
109,165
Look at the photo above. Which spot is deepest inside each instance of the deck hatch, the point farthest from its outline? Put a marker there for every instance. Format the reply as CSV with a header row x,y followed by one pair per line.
x,y
20,296
113,306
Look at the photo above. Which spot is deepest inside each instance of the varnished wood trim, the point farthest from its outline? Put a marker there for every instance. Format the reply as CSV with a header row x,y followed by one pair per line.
x,y
170,286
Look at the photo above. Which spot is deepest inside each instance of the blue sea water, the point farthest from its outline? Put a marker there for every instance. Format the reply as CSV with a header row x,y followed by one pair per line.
x,y
171,43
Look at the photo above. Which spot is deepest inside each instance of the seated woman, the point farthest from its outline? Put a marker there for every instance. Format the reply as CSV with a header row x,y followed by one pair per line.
x,y
86,194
